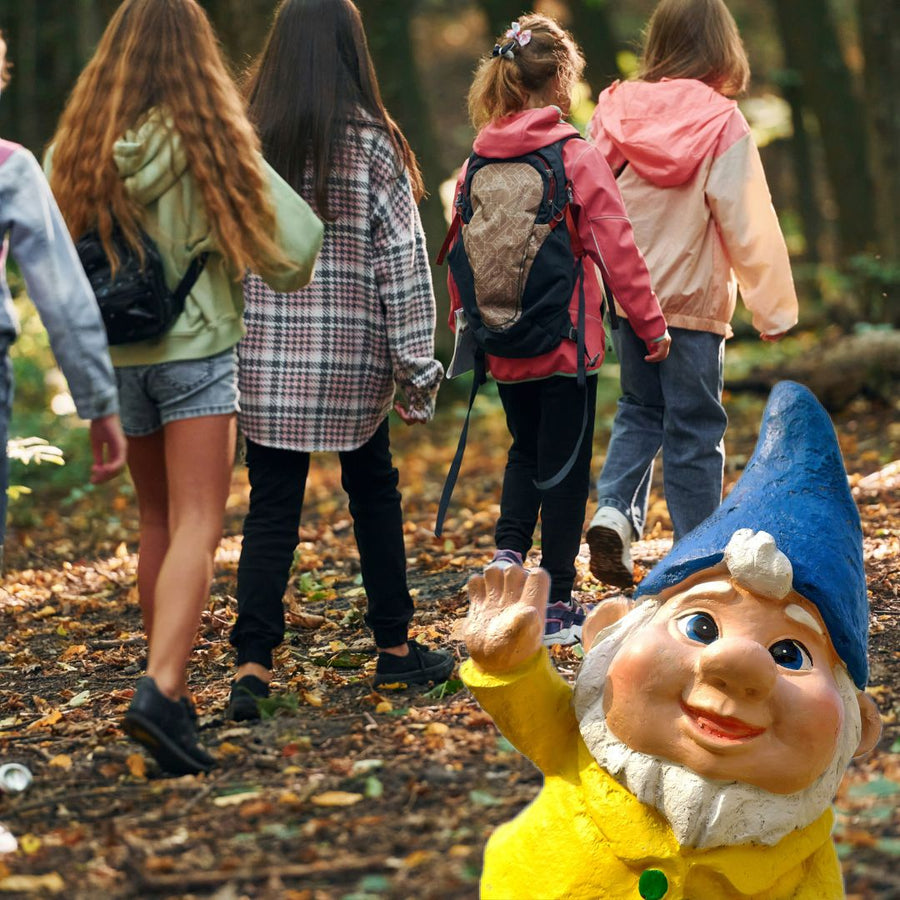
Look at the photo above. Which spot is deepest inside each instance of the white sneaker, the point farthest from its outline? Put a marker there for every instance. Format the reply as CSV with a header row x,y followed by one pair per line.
x,y
609,538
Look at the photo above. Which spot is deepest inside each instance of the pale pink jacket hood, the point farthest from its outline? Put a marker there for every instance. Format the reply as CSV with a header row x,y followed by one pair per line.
x,y
696,193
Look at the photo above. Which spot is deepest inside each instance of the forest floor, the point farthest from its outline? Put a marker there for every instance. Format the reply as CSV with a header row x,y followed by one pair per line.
x,y
342,792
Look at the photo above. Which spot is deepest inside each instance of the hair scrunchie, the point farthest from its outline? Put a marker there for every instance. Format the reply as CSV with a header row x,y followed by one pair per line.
x,y
514,36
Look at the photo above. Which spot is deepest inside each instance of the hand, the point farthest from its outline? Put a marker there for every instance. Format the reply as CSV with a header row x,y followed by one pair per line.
x,y
507,611
772,338
410,416
108,447
660,350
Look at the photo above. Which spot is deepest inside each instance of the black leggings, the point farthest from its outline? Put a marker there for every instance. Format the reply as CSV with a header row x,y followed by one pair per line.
x,y
544,418
277,485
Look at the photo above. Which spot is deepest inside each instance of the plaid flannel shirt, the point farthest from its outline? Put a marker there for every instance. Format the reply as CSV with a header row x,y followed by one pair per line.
x,y
319,367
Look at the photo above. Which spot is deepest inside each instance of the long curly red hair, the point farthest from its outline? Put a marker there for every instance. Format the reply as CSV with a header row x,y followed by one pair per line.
x,y
163,55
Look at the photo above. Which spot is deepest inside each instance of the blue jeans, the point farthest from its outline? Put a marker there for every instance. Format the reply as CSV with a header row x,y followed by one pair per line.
x,y
151,396
675,405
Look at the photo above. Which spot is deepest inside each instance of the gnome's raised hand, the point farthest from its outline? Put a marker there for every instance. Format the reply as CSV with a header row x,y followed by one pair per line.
x,y
507,609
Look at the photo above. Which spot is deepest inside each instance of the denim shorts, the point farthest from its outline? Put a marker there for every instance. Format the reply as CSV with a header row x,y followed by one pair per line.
x,y
152,396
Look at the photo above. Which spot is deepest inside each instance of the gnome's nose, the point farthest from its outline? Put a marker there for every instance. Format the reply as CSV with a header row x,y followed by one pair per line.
x,y
739,667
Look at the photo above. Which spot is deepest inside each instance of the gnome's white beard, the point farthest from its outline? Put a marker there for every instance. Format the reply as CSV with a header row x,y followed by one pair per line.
x,y
703,813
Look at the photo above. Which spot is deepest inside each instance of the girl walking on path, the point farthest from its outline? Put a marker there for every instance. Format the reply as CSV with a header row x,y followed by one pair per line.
x,y
33,231
695,190
154,136
517,103
319,369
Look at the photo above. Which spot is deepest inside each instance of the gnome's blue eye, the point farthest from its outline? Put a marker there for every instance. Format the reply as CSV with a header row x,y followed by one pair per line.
x,y
700,627
791,654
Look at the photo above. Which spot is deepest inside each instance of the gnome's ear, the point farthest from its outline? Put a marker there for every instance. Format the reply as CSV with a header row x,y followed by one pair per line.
x,y
871,722
601,616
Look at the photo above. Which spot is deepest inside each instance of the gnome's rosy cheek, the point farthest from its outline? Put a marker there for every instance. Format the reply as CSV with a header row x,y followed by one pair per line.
x,y
644,685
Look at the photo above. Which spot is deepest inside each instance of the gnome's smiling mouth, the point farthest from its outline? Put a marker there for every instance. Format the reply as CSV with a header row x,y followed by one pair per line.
x,y
720,728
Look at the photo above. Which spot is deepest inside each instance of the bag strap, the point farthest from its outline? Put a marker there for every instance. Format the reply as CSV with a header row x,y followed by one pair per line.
x,y
451,234
479,377
189,279
609,302
578,251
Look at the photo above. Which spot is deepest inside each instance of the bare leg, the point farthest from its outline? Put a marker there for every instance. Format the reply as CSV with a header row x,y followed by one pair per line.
x,y
199,454
147,464
252,668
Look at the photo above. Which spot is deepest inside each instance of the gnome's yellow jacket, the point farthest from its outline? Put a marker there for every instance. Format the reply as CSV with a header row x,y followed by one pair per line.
x,y
586,836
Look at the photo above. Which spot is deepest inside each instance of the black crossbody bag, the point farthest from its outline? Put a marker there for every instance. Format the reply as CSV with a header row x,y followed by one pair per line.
x,y
136,304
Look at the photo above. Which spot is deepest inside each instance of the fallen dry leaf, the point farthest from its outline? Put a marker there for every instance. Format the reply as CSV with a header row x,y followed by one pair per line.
x,y
31,884
336,798
137,765
236,799
48,720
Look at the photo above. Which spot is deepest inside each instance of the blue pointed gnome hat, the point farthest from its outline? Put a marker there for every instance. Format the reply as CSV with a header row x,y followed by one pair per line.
x,y
795,488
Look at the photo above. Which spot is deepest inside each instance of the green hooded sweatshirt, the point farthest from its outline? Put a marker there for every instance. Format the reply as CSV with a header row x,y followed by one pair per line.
x,y
153,165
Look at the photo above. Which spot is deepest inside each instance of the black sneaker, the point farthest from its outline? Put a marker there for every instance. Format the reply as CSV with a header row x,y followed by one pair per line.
x,y
420,666
188,704
165,729
242,705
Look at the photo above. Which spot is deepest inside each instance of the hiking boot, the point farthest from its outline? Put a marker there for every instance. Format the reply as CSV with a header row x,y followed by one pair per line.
x,y
419,666
165,729
609,539
242,704
563,625
506,558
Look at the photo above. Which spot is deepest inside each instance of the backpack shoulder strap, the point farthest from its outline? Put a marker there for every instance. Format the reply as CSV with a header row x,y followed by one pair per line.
x,y
474,163
188,280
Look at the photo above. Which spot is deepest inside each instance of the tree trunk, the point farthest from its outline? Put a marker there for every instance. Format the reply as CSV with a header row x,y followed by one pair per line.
x,y
500,13
812,49
21,117
387,24
802,165
241,26
590,24
880,31
865,364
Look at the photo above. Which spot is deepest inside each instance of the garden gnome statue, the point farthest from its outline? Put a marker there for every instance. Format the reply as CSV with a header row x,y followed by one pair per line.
x,y
711,724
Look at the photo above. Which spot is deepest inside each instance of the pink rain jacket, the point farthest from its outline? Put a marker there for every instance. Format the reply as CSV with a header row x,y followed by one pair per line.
x,y
697,196
605,233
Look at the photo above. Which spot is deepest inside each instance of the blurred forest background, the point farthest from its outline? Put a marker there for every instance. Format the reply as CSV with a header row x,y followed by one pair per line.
x,y
824,105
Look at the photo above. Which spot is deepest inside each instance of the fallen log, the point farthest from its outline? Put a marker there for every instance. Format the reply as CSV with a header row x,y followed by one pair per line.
x,y
865,364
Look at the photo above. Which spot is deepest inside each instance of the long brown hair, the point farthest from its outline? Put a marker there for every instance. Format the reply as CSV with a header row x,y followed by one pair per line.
x,y
501,85
310,82
695,39
163,55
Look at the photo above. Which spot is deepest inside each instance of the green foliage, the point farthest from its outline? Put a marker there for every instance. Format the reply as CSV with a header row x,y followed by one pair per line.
x,y
866,289
40,389
31,450
269,707
34,450
445,689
